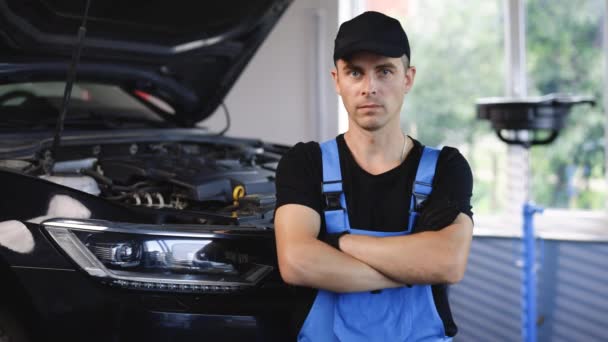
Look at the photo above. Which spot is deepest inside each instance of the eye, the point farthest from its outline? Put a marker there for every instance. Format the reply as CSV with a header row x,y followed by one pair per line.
x,y
386,72
355,73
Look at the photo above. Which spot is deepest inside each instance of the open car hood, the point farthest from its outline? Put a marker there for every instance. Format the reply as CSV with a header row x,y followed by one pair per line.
x,y
186,53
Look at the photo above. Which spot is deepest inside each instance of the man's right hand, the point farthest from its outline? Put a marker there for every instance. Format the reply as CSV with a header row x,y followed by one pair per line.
x,y
333,239
306,261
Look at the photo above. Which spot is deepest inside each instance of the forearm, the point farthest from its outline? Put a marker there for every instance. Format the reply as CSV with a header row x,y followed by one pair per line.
x,y
315,264
306,261
424,258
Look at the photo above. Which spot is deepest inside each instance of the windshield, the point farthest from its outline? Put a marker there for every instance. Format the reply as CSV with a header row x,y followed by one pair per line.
x,y
37,106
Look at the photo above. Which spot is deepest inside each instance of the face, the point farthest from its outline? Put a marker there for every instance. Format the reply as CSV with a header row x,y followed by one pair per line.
x,y
372,88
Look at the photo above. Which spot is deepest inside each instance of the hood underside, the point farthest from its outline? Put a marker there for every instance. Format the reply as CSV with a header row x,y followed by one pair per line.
x,y
186,53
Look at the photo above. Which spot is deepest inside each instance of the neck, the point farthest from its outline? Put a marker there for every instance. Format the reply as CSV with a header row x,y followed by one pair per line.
x,y
377,151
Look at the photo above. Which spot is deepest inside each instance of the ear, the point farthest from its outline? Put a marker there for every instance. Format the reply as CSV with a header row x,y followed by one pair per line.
x,y
410,75
334,76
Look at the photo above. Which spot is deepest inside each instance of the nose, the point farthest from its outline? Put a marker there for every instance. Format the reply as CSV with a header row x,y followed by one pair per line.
x,y
368,86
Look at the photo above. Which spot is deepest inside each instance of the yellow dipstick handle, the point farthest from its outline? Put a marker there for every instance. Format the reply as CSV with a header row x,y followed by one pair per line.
x,y
237,193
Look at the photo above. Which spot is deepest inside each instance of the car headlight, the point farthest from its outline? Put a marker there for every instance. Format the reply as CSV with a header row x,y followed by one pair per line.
x,y
157,258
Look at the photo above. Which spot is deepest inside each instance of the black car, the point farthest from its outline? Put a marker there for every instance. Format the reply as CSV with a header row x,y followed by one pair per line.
x,y
123,220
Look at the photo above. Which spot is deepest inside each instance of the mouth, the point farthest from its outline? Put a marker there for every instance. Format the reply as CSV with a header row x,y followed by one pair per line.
x,y
369,106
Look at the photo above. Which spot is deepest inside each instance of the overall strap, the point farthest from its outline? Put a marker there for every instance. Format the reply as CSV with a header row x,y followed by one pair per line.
x,y
336,218
423,185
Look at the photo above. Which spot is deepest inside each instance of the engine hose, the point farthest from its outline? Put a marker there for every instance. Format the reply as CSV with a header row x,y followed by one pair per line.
x,y
97,176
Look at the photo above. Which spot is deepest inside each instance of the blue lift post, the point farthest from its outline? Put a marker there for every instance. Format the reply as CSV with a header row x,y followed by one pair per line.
x,y
528,288
509,117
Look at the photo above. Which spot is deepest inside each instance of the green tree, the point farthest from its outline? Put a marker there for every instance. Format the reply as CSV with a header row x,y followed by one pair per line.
x,y
564,46
458,50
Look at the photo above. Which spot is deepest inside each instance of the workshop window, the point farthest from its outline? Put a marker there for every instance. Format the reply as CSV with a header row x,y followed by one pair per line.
x,y
565,55
458,50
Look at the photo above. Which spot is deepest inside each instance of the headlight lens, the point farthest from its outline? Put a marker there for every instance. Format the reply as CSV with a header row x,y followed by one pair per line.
x,y
153,261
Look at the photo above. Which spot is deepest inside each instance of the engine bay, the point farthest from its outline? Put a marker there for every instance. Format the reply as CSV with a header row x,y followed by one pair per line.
x,y
203,183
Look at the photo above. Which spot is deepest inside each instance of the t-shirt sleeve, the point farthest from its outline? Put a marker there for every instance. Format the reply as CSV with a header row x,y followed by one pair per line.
x,y
452,192
298,177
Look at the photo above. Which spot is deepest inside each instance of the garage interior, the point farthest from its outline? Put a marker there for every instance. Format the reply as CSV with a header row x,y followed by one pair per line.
x,y
536,269
518,60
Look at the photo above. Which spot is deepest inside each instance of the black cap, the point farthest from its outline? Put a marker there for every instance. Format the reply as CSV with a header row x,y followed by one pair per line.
x,y
373,32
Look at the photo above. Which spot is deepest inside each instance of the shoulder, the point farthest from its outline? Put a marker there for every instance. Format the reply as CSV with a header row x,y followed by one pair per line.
x,y
298,176
453,172
301,157
308,154
454,178
452,190
302,151
451,160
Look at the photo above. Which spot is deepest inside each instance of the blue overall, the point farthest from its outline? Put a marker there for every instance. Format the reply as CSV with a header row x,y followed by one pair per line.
x,y
395,314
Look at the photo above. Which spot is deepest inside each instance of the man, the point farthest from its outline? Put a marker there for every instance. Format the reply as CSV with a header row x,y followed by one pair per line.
x,y
380,277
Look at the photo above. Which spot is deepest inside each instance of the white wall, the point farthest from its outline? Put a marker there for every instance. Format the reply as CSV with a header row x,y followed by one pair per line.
x,y
285,94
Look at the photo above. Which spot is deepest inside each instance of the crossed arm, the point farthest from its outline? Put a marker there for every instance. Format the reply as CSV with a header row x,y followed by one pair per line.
x,y
367,263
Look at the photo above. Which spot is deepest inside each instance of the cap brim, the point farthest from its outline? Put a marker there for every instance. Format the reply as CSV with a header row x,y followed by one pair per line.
x,y
383,49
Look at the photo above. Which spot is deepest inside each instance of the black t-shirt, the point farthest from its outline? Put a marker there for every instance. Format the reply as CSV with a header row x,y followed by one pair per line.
x,y
381,202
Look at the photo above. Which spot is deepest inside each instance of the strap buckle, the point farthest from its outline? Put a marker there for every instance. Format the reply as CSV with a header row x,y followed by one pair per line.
x,y
332,201
332,190
421,192
419,200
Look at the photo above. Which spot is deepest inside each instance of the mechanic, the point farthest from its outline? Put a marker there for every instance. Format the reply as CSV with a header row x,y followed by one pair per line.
x,y
347,221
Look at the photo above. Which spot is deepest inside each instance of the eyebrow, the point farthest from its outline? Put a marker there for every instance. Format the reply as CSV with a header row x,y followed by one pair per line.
x,y
388,65
349,66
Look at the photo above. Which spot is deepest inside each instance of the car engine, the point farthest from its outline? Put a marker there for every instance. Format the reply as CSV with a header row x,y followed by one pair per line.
x,y
202,183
